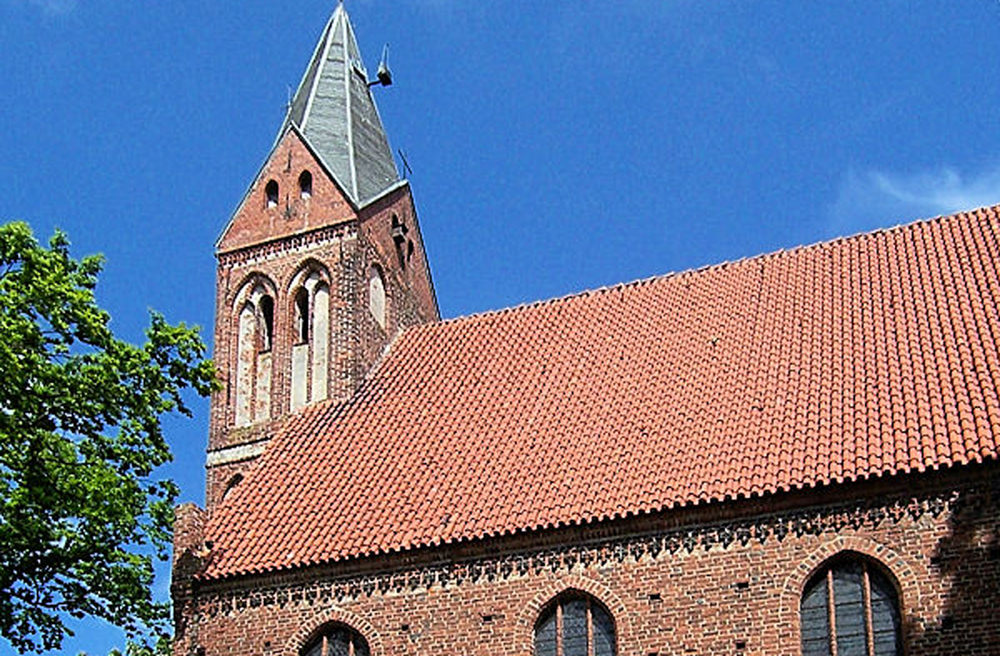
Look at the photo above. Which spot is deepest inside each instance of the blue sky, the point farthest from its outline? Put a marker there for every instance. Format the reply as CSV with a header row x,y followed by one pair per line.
x,y
555,146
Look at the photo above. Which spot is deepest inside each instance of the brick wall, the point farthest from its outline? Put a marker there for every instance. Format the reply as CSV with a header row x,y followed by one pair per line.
x,y
719,580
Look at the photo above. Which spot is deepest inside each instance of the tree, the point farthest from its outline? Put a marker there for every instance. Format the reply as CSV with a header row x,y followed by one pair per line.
x,y
82,509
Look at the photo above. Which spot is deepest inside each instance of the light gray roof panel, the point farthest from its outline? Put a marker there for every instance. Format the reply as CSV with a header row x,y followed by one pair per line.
x,y
334,109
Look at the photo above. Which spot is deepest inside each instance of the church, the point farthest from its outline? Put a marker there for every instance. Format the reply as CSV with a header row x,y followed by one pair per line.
x,y
792,454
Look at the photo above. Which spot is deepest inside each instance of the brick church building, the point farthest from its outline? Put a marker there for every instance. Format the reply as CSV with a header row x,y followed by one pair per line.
x,y
790,454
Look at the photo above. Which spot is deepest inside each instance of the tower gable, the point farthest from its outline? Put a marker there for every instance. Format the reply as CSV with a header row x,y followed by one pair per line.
x,y
293,193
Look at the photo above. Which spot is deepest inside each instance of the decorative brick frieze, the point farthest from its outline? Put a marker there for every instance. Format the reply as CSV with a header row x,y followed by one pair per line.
x,y
703,583
299,243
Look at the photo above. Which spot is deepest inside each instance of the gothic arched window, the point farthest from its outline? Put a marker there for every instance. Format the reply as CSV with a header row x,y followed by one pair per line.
x,y
575,625
254,340
850,608
337,640
311,349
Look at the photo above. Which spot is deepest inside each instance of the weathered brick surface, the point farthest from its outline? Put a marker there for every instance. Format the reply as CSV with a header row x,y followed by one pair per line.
x,y
718,580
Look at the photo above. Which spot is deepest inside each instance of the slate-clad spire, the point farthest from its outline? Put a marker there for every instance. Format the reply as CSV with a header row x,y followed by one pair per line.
x,y
334,110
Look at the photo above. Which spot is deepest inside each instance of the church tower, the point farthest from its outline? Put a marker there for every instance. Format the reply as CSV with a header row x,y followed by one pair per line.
x,y
319,267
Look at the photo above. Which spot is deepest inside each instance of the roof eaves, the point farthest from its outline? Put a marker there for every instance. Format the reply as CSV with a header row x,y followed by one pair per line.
x,y
691,503
399,184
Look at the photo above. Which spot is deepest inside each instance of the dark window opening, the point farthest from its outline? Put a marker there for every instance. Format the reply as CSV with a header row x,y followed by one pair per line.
x,y
850,608
233,482
302,315
575,626
266,323
306,184
271,193
399,232
338,641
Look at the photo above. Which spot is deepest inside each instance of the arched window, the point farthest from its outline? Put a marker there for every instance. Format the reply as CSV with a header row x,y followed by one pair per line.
x,y
302,315
338,640
376,295
271,193
850,608
254,340
575,625
306,184
311,349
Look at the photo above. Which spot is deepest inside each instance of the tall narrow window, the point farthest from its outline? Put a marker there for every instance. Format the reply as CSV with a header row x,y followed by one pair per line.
x,y
266,323
245,359
338,640
311,349
575,625
376,295
850,609
302,315
321,341
271,193
306,184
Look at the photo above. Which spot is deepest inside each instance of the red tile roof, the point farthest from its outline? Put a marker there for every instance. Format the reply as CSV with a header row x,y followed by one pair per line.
x,y
861,357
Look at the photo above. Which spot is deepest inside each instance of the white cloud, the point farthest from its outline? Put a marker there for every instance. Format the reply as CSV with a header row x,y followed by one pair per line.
x,y
877,198
50,7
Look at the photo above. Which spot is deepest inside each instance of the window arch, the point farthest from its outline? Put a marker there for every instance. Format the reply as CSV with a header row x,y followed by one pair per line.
x,y
575,625
337,640
849,608
271,193
306,184
254,323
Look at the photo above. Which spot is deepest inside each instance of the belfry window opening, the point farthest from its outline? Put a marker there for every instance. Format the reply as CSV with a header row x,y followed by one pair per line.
x,y
271,193
306,185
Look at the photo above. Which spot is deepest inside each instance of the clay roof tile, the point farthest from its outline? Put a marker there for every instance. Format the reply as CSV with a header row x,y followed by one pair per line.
x,y
847,360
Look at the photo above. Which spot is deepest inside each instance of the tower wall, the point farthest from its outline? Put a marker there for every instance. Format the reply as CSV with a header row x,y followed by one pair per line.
x,y
273,250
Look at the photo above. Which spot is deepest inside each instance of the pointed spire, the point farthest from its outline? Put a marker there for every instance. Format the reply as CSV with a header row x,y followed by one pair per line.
x,y
334,110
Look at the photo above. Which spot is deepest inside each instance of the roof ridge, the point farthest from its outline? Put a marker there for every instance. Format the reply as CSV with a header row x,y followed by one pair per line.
x,y
527,305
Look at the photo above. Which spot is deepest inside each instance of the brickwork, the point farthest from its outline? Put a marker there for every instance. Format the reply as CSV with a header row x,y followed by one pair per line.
x,y
725,580
256,222
273,247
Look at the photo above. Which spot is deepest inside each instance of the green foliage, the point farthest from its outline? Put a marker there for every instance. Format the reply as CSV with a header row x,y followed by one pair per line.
x,y
162,647
82,512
